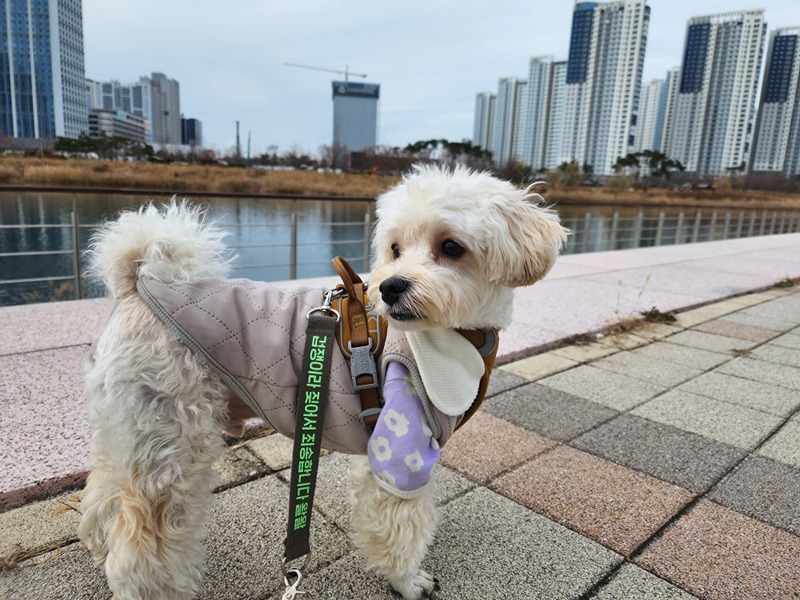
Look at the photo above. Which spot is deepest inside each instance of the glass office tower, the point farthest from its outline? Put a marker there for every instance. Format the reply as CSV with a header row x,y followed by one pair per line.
x,y
42,80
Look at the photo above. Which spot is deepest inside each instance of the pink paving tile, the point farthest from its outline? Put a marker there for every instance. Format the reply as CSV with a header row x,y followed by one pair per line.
x,y
616,506
487,446
556,309
720,554
51,324
735,330
690,278
43,422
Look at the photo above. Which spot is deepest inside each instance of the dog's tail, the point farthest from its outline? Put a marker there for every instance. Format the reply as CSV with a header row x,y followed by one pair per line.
x,y
173,243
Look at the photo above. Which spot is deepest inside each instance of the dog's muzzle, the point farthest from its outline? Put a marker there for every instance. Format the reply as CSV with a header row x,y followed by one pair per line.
x,y
392,289
395,292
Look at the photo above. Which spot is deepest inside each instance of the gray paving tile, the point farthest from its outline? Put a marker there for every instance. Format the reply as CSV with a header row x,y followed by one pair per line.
x,y
785,309
332,487
726,423
764,489
671,353
787,340
548,412
236,466
759,370
244,550
784,446
537,559
757,395
647,369
346,577
275,450
68,572
777,354
245,541
501,381
752,320
710,341
485,543
631,582
40,525
685,459
607,388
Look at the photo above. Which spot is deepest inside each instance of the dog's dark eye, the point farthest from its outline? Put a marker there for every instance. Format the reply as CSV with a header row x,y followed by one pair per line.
x,y
452,249
396,251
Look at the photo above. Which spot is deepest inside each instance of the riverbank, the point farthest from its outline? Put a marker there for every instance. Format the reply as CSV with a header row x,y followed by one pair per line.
x,y
182,177
215,178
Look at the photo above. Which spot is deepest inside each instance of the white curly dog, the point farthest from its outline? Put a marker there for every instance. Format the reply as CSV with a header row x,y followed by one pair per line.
x,y
450,244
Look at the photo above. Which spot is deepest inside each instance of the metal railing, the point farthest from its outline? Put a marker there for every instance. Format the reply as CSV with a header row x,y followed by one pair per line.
x,y
596,230
356,248
593,228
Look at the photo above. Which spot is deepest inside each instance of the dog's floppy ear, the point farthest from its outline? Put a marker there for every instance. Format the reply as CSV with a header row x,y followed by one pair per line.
x,y
526,253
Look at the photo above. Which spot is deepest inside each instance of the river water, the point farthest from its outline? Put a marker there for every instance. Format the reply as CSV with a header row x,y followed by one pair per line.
x,y
277,239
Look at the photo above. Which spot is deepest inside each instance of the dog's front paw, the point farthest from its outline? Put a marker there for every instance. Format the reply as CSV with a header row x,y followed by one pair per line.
x,y
415,587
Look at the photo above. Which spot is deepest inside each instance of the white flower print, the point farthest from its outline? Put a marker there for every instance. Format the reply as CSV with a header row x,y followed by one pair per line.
x,y
396,422
414,461
380,449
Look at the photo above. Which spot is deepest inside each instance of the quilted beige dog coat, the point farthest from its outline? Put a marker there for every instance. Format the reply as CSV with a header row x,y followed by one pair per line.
x,y
252,334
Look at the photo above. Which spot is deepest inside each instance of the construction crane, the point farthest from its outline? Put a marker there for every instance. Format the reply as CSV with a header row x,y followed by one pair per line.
x,y
347,73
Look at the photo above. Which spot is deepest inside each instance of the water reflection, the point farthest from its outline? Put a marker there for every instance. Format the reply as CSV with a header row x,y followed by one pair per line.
x,y
285,239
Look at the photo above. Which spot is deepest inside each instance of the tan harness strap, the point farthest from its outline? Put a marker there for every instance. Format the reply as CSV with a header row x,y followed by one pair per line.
x,y
478,338
360,346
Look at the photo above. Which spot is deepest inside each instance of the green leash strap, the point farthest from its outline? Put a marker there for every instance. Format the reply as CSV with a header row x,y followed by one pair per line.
x,y
312,393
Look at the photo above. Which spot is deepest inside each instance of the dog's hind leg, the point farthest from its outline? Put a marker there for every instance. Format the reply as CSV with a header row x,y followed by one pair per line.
x,y
391,532
98,506
157,418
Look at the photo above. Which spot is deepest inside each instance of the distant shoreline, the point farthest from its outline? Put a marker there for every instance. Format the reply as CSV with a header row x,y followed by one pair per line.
x,y
15,171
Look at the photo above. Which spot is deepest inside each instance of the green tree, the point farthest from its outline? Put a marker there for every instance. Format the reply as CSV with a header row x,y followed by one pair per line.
x,y
654,163
570,173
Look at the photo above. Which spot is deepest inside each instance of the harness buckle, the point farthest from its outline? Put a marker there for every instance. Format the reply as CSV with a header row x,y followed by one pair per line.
x,y
366,414
362,363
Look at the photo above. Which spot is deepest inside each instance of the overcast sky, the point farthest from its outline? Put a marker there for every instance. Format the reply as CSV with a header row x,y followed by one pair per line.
x,y
430,57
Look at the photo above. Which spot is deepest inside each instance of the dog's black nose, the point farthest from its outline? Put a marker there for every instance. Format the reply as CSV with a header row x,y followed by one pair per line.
x,y
392,288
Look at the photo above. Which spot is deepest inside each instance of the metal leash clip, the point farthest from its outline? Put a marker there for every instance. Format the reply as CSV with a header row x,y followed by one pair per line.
x,y
326,306
291,590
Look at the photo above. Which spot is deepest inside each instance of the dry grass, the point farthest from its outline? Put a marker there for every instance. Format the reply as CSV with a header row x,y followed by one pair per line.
x,y
196,178
201,178
723,196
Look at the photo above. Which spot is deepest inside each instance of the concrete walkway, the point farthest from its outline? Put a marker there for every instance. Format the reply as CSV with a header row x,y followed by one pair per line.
x,y
659,463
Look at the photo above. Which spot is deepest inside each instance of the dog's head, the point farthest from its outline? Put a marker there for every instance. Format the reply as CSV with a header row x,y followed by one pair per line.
x,y
450,244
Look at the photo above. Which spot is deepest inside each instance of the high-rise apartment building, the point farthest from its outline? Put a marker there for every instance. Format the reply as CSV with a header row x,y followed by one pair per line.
x,y
603,82
537,112
556,125
166,109
355,115
650,117
155,98
776,141
712,122
670,92
484,117
505,118
42,82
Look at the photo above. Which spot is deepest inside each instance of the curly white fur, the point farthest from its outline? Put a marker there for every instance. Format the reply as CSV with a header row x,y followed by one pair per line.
x,y
156,411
